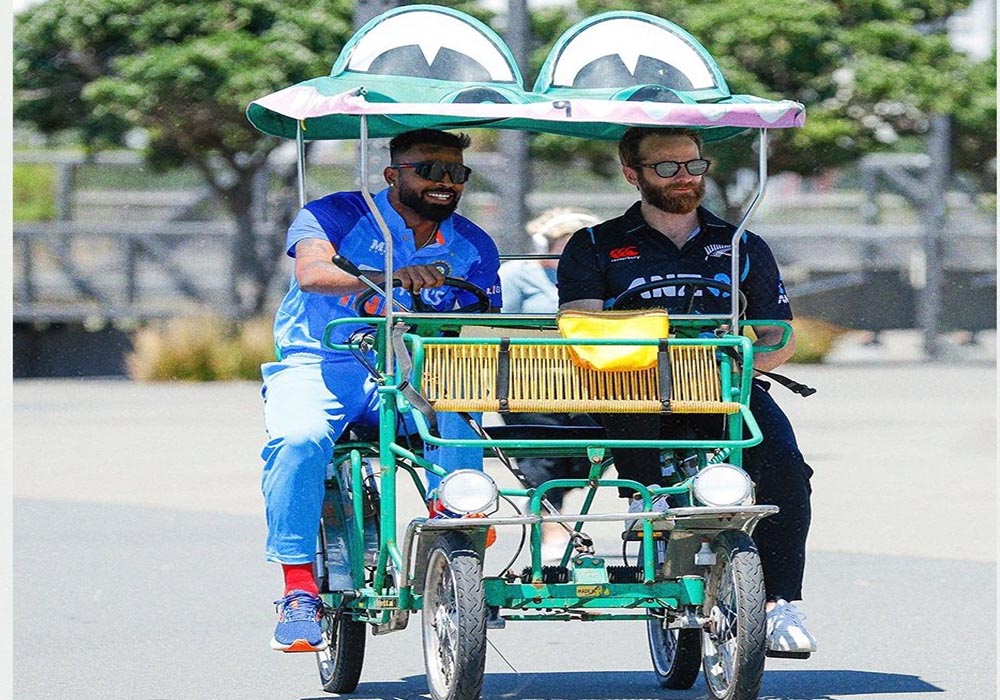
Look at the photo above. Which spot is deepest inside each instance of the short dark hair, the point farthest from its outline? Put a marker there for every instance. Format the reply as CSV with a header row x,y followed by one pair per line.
x,y
402,143
628,145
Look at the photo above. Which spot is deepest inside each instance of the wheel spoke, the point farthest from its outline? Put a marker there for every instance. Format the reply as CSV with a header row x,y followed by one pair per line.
x,y
453,619
341,662
676,653
733,644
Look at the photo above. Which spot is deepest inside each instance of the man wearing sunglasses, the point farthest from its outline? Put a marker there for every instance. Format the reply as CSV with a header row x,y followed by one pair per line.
x,y
312,394
667,235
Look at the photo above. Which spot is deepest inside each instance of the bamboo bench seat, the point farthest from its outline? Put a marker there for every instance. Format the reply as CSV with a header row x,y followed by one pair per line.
x,y
543,379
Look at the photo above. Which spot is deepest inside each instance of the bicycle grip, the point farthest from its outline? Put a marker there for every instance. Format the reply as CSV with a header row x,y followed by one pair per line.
x,y
345,265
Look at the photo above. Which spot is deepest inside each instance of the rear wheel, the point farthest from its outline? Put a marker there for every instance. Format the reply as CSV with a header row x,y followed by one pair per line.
x,y
340,663
676,654
733,645
454,619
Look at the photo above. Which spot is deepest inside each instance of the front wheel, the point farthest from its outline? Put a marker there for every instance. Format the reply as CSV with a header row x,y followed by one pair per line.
x,y
340,663
676,654
454,619
733,645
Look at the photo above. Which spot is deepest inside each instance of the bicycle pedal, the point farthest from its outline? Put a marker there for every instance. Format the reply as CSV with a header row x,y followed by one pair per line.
x,y
493,619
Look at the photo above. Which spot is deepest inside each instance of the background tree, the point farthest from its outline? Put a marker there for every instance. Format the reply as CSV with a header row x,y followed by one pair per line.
x,y
869,72
870,75
183,72
975,125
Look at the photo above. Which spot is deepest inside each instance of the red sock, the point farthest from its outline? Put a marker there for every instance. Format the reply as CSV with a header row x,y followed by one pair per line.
x,y
299,577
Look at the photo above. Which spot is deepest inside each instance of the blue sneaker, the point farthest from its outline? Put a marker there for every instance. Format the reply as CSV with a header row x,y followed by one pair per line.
x,y
298,627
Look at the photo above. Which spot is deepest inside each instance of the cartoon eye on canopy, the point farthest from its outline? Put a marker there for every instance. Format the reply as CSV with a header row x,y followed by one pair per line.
x,y
415,54
635,56
428,43
642,59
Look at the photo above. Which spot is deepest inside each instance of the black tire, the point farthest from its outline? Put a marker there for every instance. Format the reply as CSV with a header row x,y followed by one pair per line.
x,y
676,654
341,662
454,619
733,646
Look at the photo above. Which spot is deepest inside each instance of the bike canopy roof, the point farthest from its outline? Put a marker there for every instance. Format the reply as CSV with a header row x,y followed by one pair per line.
x,y
422,66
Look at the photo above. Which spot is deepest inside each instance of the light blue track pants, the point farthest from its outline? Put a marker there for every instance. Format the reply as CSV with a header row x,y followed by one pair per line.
x,y
308,403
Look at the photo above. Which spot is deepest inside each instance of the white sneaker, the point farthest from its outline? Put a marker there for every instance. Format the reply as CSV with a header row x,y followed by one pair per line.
x,y
786,633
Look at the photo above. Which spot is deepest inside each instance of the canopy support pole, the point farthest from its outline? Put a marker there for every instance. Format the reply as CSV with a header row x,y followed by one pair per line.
x,y
741,228
387,237
300,161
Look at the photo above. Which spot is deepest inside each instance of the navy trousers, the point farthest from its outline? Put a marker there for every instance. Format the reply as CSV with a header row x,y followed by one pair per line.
x,y
776,466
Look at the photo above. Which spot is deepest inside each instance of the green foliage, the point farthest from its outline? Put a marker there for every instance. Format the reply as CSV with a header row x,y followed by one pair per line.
x,y
34,192
547,25
183,72
201,349
975,142
600,156
869,72
101,67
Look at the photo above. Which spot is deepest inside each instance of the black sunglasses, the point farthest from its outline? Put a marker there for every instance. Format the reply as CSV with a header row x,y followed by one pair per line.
x,y
669,168
436,170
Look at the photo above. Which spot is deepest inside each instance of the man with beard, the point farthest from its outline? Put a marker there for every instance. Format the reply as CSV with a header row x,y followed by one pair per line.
x,y
313,393
666,235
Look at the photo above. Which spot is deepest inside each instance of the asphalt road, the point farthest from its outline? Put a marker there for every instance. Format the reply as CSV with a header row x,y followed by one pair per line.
x,y
139,574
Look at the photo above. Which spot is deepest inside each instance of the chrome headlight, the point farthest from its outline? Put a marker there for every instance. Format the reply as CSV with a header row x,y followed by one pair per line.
x,y
722,485
468,491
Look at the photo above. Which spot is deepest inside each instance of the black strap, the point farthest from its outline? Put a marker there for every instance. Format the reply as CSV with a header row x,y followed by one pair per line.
x,y
405,364
790,384
503,374
666,375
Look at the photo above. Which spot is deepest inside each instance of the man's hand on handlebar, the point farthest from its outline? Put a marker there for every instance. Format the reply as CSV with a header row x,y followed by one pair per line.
x,y
417,277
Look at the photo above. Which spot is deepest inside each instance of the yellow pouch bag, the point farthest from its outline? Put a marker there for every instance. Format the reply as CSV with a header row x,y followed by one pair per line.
x,y
648,324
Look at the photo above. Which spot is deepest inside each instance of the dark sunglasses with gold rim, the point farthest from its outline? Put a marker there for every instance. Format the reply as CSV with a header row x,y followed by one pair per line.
x,y
436,170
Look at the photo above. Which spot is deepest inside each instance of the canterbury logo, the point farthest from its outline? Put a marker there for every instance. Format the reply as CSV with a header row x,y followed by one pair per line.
x,y
625,252
717,250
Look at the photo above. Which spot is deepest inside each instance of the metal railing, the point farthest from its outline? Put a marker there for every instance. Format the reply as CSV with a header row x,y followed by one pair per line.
x,y
74,271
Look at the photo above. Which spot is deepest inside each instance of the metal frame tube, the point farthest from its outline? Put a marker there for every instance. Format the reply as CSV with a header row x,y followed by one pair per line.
x,y
387,236
300,157
738,233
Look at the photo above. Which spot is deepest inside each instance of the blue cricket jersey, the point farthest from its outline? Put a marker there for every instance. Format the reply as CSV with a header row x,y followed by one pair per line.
x,y
460,249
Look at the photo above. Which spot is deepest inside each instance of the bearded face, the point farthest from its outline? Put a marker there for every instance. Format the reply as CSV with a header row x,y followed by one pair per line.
x,y
432,200
435,203
673,197
680,193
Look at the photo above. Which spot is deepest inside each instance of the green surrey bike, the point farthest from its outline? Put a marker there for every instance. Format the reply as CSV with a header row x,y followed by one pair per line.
x,y
695,577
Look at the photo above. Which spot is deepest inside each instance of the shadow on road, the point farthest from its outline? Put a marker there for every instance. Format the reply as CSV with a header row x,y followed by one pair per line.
x,y
620,685
820,685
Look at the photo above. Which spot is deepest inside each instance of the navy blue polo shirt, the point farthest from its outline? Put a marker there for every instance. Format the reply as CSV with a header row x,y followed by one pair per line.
x,y
603,261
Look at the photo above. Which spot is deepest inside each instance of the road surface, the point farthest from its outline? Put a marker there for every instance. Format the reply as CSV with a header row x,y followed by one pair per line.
x,y
139,574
